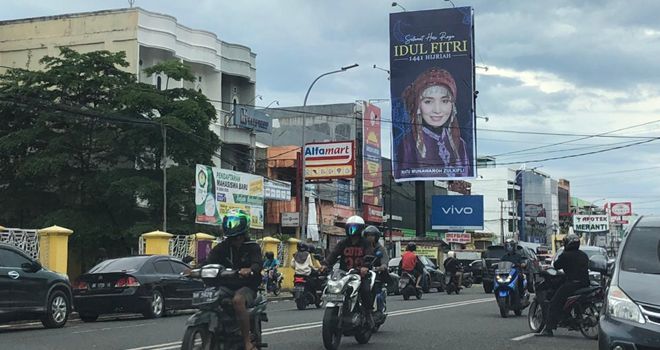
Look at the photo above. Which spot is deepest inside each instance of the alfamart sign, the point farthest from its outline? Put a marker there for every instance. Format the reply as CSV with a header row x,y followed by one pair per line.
x,y
591,224
330,160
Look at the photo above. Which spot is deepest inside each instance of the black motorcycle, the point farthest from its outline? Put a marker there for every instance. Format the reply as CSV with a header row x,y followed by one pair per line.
x,y
581,310
451,282
308,290
214,326
407,286
468,279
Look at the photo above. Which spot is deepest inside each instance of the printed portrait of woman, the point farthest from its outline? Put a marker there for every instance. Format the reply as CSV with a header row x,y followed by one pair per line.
x,y
433,146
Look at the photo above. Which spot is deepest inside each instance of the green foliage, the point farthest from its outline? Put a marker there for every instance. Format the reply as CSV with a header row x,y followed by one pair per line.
x,y
172,69
81,147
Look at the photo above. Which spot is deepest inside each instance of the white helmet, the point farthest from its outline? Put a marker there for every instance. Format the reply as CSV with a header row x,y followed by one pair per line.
x,y
451,254
354,226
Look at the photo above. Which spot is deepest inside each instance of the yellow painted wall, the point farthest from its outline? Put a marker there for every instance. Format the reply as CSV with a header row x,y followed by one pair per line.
x,y
25,42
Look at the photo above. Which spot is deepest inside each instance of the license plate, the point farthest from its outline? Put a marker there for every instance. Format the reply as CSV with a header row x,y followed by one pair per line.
x,y
333,298
299,289
204,297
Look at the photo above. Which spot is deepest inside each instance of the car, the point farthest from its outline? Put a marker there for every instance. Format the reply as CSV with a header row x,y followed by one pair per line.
x,y
477,269
631,317
494,254
433,278
146,284
591,251
28,291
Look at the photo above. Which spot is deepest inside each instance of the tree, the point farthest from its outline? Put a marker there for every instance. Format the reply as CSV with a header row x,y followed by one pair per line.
x,y
81,146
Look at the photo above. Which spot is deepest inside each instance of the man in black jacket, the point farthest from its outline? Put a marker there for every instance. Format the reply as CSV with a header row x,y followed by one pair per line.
x,y
238,252
575,264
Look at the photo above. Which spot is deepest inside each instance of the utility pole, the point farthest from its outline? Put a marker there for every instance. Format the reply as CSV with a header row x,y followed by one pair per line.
x,y
501,219
164,132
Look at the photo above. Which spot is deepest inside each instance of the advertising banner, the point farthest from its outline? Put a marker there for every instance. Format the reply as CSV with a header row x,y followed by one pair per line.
x,y
427,251
218,190
373,213
372,176
458,237
253,119
344,192
277,190
329,160
590,224
621,209
432,94
290,219
457,213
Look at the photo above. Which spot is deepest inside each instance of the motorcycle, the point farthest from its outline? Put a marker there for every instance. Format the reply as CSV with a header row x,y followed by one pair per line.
x,y
581,310
468,280
451,282
273,285
214,325
507,289
306,291
344,313
407,286
380,305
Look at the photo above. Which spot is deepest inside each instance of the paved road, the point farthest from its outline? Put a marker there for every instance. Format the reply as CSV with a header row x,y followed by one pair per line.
x,y
467,321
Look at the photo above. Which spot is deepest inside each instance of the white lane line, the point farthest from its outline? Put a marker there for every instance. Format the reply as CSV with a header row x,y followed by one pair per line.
x,y
523,337
305,326
113,328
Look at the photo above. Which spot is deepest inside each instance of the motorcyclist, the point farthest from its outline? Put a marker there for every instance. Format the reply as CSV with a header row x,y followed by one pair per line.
x,y
411,264
575,264
453,268
352,251
302,260
512,255
372,234
239,252
270,265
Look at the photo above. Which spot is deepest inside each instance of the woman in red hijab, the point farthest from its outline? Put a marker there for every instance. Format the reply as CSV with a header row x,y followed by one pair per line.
x,y
434,147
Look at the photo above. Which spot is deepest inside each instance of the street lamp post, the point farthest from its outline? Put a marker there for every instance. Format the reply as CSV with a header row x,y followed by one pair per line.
x,y
501,200
302,189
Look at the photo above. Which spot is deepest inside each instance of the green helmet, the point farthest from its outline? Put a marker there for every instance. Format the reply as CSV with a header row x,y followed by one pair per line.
x,y
235,223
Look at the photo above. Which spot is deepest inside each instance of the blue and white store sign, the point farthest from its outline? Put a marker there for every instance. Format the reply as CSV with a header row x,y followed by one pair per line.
x,y
457,213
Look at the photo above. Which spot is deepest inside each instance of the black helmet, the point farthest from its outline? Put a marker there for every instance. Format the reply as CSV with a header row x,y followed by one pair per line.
x,y
411,247
354,226
371,230
571,242
302,247
235,223
510,245
270,255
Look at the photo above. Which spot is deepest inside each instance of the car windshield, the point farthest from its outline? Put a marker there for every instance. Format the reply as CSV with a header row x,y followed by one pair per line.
x,y
120,265
642,251
495,252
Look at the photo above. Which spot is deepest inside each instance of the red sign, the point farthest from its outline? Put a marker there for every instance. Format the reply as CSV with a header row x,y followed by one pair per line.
x,y
373,213
458,237
621,209
372,170
329,160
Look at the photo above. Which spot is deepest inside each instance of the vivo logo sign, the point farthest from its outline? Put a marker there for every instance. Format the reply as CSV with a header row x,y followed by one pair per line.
x,y
458,213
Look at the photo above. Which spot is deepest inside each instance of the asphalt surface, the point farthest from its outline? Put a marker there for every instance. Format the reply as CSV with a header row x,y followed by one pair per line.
x,y
438,321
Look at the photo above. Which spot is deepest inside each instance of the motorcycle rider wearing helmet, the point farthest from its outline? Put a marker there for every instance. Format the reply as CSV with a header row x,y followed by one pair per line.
x,y
239,252
453,268
372,234
352,251
411,264
575,264
302,260
270,265
512,255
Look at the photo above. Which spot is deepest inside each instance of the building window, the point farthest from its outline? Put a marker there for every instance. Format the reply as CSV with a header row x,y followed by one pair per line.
x,y
200,78
158,83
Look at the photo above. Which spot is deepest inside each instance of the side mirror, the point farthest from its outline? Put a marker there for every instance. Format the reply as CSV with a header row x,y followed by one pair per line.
x,y
31,266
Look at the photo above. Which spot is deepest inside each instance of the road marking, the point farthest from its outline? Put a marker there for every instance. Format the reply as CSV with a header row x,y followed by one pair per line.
x,y
113,328
523,337
305,326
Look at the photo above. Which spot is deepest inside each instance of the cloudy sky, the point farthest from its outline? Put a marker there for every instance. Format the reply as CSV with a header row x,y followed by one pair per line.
x,y
560,67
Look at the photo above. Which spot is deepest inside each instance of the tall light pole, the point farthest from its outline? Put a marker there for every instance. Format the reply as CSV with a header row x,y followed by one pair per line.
x,y
501,200
302,185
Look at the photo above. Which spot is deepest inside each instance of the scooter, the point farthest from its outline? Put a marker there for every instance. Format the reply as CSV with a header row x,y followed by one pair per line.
x,y
506,289
407,286
306,291
214,325
273,285
344,313
452,284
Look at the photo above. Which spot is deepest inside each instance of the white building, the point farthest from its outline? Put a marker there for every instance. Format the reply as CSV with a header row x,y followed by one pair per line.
x,y
498,186
225,72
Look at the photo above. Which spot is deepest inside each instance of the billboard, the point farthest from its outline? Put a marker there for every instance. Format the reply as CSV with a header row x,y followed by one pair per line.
x,y
591,224
329,160
253,119
373,213
372,176
432,94
621,209
277,190
457,213
344,192
218,190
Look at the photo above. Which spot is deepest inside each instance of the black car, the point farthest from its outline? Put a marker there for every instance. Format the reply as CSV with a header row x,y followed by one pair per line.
x,y
476,267
494,254
433,278
631,317
149,285
29,291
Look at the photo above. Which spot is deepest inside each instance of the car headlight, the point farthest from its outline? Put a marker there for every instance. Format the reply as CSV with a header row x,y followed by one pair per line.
x,y
620,306
210,272
333,287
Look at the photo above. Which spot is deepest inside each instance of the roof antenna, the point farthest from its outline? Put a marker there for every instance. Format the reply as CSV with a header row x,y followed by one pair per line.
x,y
131,3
